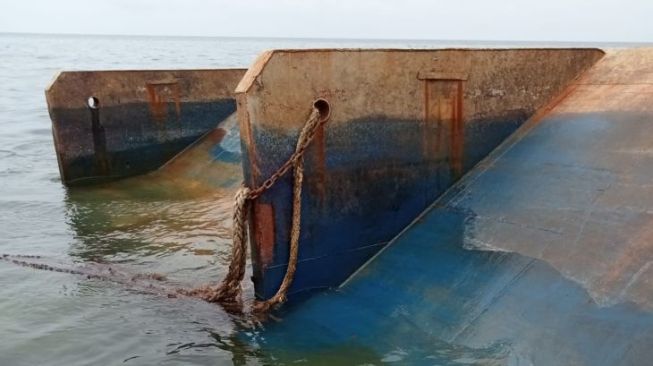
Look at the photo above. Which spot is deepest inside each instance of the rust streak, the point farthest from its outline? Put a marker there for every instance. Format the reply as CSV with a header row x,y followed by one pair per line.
x,y
425,134
439,128
263,226
457,132
157,106
177,98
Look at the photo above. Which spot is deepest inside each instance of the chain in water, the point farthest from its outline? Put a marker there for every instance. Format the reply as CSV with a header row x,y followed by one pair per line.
x,y
100,272
141,282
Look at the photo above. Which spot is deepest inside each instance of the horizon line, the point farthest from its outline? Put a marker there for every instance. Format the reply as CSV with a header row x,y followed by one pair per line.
x,y
317,38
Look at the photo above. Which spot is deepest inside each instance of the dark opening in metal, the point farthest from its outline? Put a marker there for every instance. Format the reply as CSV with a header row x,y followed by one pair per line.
x,y
93,102
323,107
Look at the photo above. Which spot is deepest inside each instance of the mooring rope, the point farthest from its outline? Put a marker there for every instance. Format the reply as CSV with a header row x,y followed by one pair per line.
x,y
228,291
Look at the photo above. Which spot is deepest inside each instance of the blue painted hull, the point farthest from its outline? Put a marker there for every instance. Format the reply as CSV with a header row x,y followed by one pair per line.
x,y
404,125
133,143
362,194
441,293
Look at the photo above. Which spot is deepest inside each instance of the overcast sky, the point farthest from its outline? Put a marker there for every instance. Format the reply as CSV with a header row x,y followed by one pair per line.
x,y
518,20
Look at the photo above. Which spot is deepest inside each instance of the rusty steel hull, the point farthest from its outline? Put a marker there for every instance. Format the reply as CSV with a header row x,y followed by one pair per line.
x,y
142,118
540,255
404,126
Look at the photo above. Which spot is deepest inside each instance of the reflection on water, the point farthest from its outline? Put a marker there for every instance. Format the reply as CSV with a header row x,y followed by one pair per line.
x,y
423,351
176,217
161,224
140,221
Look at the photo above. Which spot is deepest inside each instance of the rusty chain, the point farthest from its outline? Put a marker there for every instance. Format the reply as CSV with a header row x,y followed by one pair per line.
x,y
254,193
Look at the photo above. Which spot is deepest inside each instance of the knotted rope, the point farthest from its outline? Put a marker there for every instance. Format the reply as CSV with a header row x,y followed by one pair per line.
x,y
228,291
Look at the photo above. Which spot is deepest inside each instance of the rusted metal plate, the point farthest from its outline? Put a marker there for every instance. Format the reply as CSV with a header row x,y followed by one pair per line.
x,y
394,141
263,235
441,75
140,119
443,128
540,255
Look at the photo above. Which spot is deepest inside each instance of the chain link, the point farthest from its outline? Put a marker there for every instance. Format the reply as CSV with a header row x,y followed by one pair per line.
x,y
296,155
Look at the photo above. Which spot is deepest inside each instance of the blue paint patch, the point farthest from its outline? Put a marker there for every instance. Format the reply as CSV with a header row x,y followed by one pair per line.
x,y
434,300
219,153
375,179
426,297
135,142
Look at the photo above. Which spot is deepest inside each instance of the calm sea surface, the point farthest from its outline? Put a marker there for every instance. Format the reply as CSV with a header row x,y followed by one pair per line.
x,y
49,318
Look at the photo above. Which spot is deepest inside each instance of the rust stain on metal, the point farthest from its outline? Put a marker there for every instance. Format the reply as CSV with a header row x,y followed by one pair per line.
x,y
253,72
263,225
425,124
60,152
443,122
177,100
457,132
432,133
441,75
630,261
157,108
157,92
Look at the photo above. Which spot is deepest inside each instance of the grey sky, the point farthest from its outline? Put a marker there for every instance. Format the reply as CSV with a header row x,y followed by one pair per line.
x,y
542,20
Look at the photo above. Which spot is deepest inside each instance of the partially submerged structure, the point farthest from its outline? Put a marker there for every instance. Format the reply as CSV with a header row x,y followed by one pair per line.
x,y
512,185
115,124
